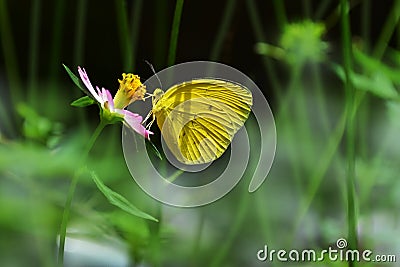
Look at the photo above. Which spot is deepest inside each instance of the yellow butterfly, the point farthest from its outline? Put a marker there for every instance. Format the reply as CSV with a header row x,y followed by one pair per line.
x,y
199,118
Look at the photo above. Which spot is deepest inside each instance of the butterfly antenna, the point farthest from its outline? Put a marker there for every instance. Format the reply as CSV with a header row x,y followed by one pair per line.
x,y
152,68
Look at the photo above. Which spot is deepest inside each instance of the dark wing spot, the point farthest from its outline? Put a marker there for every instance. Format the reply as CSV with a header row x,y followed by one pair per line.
x,y
210,108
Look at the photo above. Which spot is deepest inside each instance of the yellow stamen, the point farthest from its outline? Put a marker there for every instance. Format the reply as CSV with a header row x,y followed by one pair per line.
x,y
130,90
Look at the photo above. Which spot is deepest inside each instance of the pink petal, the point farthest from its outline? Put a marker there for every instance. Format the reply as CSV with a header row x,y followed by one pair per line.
x,y
109,99
100,94
86,81
135,122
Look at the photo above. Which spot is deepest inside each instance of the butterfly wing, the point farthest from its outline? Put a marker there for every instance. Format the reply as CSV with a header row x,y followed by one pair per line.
x,y
199,118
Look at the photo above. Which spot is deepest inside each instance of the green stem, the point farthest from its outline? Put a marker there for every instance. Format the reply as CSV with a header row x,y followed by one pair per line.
x,y
284,115
241,212
321,10
259,35
350,128
11,66
71,191
198,234
135,28
387,30
125,41
79,52
366,23
160,34
279,6
33,51
321,99
175,32
57,29
80,31
223,29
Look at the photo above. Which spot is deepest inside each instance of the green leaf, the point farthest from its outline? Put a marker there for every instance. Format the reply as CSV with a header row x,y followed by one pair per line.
x,y
120,201
373,65
153,148
378,83
74,78
84,101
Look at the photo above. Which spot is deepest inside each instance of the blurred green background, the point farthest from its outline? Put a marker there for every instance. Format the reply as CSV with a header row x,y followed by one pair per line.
x,y
333,90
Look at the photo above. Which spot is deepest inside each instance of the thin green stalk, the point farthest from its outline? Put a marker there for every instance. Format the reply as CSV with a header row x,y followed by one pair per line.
x,y
135,29
223,29
175,32
322,166
33,52
160,34
80,32
322,8
71,191
387,31
11,65
283,116
334,16
241,213
263,216
279,6
198,233
259,36
79,52
398,36
155,228
364,112
350,128
125,40
56,42
366,23
320,97
325,161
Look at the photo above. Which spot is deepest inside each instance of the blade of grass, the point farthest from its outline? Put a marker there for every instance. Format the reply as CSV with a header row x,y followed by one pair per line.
x,y
33,52
388,30
175,32
279,7
71,192
350,128
366,23
123,29
160,34
237,223
321,9
135,29
80,30
11,66
255,21
223,29
56,43
321,98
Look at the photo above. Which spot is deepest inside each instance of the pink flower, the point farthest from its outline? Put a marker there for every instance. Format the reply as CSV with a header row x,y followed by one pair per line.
x,y
110,111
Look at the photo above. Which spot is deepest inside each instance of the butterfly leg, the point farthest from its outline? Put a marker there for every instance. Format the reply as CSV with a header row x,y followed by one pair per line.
x,y
147,117
148,126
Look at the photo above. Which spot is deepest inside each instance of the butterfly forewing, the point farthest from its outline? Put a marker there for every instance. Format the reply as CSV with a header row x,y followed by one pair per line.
x,y
199,118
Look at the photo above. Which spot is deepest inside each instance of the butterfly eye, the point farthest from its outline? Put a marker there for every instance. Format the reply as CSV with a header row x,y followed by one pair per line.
x,y
157,95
